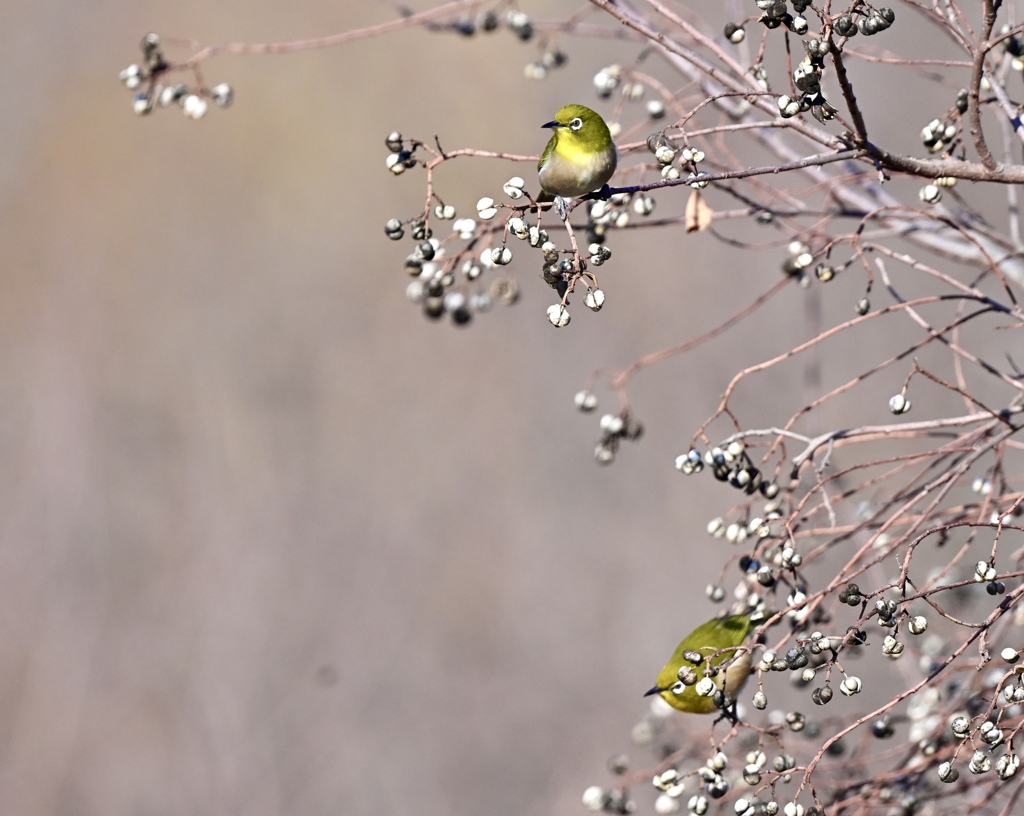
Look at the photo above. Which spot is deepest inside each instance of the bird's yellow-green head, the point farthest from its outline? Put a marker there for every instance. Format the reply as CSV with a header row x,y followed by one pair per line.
x,y
580,156
713,643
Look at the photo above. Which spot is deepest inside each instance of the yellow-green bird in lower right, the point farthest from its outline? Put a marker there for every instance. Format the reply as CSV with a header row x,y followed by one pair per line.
x,y
712,643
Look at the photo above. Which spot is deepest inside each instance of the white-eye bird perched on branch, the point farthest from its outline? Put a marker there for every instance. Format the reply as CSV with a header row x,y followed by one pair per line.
x,y
580,156
712,643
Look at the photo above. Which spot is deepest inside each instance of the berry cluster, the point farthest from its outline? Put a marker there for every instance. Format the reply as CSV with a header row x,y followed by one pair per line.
x,y
475,245
807,81
801,256
729,463
862,19
666,151
518,23
806,78
144,80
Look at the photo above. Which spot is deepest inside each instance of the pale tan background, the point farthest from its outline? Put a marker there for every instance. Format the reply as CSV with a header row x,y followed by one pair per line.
x,y
272,543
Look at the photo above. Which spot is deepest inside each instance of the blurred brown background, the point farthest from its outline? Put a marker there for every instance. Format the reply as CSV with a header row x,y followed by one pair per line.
x,y
273,543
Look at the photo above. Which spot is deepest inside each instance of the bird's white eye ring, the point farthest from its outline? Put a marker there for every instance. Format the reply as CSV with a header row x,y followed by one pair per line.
x,y
576,124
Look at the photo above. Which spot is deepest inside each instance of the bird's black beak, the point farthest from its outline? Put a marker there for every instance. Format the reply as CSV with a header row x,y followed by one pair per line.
x,y
551,124
655,690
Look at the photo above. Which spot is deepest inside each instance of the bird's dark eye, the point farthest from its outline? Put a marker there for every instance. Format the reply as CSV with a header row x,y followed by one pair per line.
x,y
576,123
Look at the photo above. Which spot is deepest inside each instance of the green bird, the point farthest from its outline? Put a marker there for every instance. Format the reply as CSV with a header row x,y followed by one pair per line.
x,y
580,156
714,643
